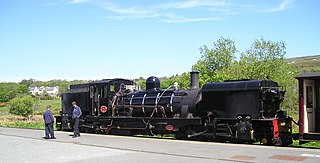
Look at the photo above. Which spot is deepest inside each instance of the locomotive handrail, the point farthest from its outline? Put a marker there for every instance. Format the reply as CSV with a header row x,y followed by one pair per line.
x,y
148,106
142,103
297,123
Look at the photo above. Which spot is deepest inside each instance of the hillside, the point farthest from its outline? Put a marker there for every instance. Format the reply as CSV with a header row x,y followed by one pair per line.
x,y
306,64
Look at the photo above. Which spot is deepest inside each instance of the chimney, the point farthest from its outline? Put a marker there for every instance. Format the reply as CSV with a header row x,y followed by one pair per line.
x,y
194,75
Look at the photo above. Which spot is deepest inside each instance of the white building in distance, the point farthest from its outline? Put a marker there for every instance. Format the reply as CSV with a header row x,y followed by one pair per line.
x,y
52,91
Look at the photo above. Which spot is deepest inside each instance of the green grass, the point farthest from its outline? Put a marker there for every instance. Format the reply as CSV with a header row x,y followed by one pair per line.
x,y
4,110
306,64
306,145
21,124
40,106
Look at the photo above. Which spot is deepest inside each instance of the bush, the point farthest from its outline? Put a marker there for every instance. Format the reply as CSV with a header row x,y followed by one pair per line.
x,y
3,104
21,106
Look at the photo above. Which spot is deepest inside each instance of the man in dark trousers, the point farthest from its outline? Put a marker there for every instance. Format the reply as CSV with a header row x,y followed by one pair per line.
x,y
48,121
76,114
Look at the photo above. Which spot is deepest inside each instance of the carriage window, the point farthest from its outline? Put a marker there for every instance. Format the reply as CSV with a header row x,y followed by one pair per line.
x,y
309,97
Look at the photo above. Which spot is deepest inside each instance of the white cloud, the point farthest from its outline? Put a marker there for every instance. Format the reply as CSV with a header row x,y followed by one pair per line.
x,y
184,10
185,20
77,1
130,12
192,4
158,11
283,6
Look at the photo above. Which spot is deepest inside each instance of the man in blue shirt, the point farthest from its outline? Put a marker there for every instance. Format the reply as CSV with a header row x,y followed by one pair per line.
x,y
48,121
76,114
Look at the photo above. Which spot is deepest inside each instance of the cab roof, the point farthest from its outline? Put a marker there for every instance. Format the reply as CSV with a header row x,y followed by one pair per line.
x,y
310,75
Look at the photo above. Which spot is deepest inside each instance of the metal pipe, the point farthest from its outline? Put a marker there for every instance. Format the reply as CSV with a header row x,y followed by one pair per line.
x,y
197,134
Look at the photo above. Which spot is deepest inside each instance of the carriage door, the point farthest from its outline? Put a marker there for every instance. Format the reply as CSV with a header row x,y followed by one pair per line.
x,y
309,100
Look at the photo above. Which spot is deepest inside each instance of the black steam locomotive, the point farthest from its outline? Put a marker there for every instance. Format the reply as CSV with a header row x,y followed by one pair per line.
x,y
235,111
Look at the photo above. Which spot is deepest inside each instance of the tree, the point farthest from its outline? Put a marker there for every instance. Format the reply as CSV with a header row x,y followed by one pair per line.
x,y
22,89
21,105
63,87
221,56
27,83
8,91
141,82
4,97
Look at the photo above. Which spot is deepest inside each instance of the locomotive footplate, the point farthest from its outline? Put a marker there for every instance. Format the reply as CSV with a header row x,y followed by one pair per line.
x,y
142,125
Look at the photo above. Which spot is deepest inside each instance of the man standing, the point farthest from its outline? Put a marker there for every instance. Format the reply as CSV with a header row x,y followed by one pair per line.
x,y
76,114
48,121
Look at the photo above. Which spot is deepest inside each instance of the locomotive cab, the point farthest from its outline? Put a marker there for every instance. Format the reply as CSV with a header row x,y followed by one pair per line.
x,y
93,98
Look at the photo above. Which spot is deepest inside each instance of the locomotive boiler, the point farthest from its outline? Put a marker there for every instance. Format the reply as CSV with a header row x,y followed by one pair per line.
x,y
157,102
239,111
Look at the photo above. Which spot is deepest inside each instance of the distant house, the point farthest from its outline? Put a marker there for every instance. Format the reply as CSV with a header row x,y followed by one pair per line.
x,y
34,90
52,91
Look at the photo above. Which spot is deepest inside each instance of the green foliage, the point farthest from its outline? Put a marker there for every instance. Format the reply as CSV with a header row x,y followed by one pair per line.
x,y
167,82
307,145
21,106
142,82
263,59
9,91
183,81
27,83
220,57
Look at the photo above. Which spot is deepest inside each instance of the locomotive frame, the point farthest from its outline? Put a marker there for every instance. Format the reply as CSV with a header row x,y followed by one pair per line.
x,y
235,111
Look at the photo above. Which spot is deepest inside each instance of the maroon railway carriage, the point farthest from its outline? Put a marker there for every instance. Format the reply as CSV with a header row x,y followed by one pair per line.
x,y
309,107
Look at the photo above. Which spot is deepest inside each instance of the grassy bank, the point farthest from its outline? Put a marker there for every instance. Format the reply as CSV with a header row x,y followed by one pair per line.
x,y
38,107
36,122
33,122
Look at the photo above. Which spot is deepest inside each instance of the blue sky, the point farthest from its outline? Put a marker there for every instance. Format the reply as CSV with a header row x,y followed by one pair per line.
x,y
97,39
